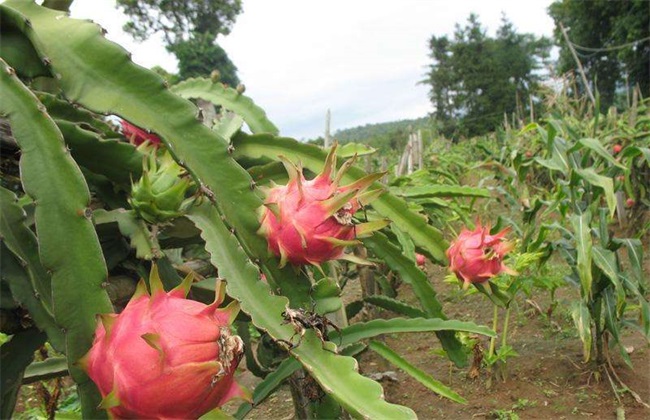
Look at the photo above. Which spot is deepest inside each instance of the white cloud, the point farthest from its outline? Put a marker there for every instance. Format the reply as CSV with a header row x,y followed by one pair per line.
x,y
362,59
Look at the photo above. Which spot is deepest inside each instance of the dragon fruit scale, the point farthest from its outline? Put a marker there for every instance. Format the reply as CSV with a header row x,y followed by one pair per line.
x,y
165,356
476,256
310,221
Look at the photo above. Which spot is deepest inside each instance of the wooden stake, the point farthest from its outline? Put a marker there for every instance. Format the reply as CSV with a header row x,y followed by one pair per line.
x,y
328,138
580,69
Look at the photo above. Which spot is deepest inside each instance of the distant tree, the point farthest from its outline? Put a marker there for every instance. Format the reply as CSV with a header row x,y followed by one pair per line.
x,y
198,56
475,78
612,40
190,29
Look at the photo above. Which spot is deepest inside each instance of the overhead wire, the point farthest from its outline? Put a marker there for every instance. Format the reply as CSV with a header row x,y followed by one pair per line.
x,y
613,48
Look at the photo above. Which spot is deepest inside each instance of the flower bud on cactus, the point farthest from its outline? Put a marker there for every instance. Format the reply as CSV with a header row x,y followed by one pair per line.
x,y
138,136
476,256
159,194
420,260
165,356
310,221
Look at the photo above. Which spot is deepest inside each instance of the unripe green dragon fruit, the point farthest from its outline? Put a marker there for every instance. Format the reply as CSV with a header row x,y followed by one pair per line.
x,y
166,356
160,193
310,221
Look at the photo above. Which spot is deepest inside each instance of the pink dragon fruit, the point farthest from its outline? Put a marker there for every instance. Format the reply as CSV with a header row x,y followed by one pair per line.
x,y
420,260
165,356
310,221
137,136
476,256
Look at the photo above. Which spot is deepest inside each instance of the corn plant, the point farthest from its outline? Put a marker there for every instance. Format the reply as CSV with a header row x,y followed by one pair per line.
x,y
91,213
607,269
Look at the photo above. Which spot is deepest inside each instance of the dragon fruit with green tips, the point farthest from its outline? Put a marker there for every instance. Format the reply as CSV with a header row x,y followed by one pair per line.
x,y
476,256
311,221
166,356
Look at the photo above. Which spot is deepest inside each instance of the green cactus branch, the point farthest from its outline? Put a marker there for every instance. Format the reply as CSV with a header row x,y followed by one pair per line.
x,y
313,158
141,97
118,161
146,246
229,98
28,281
68,245
422,288
20,350
337,375
17,51
64,110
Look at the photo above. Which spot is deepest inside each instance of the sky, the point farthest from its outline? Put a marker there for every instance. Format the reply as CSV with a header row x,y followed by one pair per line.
x,y
362,59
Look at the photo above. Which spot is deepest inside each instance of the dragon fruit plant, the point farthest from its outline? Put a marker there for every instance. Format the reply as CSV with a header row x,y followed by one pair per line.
x,y
476,257
87,218
165,356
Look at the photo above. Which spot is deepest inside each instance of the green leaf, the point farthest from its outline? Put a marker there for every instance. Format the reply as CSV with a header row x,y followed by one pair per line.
x,y
604,182
228,125
417,374
634,255
411,274
582,232
351,149
229,98
54,181
21,266
116,160
582,320
326,293
313,158
17,51
336,374
64,110
216,414
396,306
444,191
370,329
408,248
606,261
558,150
612,321
54,367
22,290
15,356
272,381
597,147
146,245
